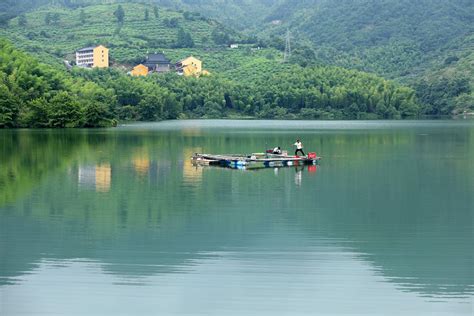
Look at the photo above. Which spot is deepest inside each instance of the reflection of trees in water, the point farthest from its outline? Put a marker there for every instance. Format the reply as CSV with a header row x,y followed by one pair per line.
x,y
26,157
141,228
411,220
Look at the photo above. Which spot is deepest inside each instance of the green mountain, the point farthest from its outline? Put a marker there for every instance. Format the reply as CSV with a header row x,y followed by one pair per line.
x,y
394,38
426,43
251,80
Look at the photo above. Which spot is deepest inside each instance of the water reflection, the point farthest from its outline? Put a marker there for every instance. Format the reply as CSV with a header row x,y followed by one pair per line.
x,y
388,216
98,177
192,174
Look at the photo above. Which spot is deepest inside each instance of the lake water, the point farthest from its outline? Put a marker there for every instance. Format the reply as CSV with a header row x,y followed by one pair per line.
x,y
119,222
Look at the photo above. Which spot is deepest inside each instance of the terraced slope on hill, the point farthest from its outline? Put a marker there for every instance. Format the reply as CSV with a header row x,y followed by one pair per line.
x,y
128,41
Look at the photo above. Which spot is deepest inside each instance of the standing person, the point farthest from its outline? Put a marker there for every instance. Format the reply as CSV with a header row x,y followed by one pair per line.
x,y
299,148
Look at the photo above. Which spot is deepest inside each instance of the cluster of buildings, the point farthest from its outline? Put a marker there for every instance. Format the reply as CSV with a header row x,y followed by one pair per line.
x,y
158,63
98,57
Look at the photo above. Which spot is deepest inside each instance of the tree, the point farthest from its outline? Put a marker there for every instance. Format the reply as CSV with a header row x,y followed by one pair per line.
x,y
82,17
147,15
37,114
150,107
97,114
156,12
171,23
66,111
220,37
55,18
9,107
47,19
172,108
188,15
22,20
184,39
119,14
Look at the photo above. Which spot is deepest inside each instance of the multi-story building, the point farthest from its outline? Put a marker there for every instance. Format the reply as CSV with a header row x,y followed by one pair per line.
x,y
93,57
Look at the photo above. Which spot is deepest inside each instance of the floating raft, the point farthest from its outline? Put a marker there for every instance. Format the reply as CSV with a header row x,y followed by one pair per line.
x,y
254,161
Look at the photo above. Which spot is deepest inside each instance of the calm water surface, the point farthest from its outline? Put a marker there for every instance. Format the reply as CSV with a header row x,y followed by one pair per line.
x,y
118,221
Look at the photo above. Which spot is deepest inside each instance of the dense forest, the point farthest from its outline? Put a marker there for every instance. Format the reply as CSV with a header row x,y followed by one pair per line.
x,y
434,58
427,44
34,94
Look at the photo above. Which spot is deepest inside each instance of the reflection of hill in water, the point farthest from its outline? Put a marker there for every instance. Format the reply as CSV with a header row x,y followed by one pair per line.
x,y
421,240
411,218
398,216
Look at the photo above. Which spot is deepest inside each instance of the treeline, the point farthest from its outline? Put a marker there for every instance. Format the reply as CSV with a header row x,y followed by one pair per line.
x,y
263,90
34,95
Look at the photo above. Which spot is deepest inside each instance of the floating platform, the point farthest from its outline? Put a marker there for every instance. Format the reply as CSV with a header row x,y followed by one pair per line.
x,y
254,161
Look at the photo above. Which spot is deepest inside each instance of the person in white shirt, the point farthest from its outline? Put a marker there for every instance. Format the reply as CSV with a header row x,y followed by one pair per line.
x,y
299,148
277,150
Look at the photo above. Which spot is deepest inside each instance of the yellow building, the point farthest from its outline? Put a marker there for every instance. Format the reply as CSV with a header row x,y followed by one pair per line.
x,y
190,66
103,177
93,57
141,161
139,70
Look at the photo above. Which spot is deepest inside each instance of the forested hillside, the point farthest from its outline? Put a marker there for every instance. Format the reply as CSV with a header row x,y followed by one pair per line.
x,y
385,36
427,45
37,95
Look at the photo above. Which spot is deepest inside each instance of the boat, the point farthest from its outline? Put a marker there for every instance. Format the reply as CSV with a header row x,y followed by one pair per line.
x,y
254,161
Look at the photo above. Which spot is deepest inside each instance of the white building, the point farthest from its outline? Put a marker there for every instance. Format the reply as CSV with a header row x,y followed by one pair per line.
x,y
97,56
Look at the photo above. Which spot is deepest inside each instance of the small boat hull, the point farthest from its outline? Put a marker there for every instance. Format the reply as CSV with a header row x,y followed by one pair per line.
x,y
253,161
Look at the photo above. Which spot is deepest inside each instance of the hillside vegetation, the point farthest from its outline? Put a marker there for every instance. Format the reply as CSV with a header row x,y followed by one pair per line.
x,y
249,81
416,43
37,95
426,44
70,29
394,38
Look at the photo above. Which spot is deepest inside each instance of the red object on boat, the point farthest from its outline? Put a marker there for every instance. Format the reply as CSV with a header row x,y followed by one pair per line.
x,y
312,155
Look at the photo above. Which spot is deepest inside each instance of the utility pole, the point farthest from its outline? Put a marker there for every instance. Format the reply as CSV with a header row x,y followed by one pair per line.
x,y
287,55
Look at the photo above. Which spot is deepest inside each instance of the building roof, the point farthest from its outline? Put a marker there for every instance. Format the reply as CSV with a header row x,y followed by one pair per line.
x,y
187,59
157,59
140,66
90,48
86,49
